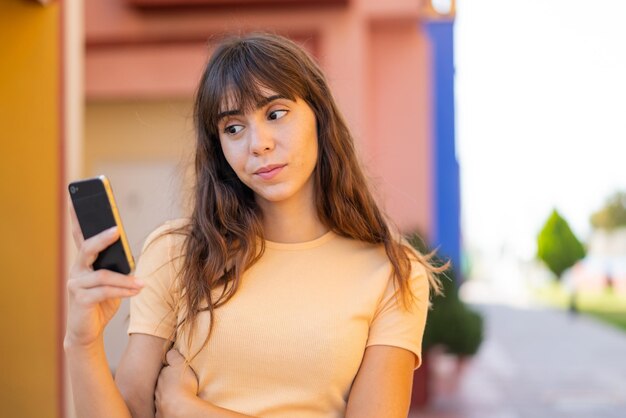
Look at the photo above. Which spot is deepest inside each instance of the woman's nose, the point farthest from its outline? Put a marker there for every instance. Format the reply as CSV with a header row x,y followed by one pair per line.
x,y
261,139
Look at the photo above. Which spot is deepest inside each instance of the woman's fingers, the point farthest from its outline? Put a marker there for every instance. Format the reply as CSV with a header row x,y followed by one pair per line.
x,y
174,358
94,297
91,247
103,293
100,285
109,278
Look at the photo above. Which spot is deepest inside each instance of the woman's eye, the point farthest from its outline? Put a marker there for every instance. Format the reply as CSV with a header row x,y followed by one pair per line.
x,y
233,129
276,114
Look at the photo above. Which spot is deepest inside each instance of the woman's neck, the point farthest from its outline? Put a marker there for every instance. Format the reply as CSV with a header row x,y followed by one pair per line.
x,y
291,221
288,232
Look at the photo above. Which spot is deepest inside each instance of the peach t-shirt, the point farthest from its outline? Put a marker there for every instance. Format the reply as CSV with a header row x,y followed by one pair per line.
x,y
291,340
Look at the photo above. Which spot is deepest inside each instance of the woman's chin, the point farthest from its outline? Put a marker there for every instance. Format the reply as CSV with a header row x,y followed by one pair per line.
x,y
275,196
283,192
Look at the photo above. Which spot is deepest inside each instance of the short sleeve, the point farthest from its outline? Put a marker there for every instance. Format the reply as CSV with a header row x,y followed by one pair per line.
x,y
152,310
395,325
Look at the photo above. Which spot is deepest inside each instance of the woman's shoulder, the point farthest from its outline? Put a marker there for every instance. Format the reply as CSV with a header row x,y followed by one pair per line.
x,y
170,233
173,226
374,255
161,250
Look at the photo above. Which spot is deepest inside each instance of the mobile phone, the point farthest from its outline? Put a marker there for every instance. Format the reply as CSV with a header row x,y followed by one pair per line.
x,y
96,211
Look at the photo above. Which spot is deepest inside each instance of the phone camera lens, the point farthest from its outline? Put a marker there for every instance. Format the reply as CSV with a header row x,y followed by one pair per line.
x,y
73,189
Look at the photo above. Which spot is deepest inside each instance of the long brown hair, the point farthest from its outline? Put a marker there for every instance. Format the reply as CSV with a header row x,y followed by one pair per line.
x,y
224,236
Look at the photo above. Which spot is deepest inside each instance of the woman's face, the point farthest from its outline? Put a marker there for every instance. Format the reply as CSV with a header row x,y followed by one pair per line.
x,y
272,148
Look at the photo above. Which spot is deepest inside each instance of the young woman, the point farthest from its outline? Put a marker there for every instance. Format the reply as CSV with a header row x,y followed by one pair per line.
x,y
286,293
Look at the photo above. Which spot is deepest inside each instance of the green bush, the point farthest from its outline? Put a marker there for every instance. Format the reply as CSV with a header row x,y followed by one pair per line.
x,y
451,323
557,246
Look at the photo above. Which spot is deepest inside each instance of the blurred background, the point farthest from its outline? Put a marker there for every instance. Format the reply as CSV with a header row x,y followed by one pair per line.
x,y
491,130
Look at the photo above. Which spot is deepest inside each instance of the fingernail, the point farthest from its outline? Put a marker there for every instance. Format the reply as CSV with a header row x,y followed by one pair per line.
x,y
112,231
139,282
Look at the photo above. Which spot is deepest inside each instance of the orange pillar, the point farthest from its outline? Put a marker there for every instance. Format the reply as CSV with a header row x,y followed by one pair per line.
x,y
30,217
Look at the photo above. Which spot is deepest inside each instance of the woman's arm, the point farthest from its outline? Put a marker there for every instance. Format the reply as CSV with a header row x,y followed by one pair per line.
x,y
132,392
93,299
382,387
138,372
94,392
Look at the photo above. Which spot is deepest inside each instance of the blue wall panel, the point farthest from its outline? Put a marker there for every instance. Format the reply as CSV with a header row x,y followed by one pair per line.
x,y
446,233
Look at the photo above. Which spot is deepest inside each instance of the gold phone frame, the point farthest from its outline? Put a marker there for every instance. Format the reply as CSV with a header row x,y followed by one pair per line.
x,y
118,221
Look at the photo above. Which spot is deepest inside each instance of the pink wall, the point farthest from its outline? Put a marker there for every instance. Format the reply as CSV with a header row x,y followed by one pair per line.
x,y
374,53
399,112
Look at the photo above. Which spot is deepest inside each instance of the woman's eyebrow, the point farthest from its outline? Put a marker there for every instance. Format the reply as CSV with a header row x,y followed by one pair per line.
x,y
263,102
225,113
267,100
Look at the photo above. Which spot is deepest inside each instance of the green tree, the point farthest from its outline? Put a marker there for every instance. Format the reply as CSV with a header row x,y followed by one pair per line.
x,y
557,246
613,214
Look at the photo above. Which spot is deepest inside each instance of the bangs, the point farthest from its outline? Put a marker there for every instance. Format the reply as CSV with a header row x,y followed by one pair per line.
x,y
245,74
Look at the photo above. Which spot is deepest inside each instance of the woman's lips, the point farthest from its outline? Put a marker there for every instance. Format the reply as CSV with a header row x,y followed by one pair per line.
x,y
270,172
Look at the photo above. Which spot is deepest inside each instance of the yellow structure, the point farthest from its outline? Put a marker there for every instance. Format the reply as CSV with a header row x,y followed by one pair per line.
x,y
30,173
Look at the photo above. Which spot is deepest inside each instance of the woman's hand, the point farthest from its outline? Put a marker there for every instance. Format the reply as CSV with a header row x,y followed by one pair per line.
x,y
177,388
94,296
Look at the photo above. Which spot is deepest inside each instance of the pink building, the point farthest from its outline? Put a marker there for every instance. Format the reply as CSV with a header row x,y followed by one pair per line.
x,y
122,106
